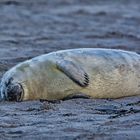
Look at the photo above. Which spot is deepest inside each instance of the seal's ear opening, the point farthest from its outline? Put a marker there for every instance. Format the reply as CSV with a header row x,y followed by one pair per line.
x,y
14,92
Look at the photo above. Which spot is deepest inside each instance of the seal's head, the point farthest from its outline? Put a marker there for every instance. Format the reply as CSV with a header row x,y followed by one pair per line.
x,y
10,90
14,92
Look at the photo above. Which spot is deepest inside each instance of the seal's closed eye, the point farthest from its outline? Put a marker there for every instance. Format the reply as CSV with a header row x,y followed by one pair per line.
x,y
14,92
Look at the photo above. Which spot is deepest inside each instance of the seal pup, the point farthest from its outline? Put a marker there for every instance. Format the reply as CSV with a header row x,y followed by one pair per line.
x,y
97,73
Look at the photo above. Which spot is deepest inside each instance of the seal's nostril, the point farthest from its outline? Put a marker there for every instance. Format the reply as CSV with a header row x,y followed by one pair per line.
x,y
14,92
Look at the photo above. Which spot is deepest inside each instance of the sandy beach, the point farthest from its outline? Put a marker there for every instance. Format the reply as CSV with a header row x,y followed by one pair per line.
x,y
29,28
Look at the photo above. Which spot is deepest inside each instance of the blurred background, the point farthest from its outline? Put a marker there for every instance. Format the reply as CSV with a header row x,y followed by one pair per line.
x,y
32,27
29,28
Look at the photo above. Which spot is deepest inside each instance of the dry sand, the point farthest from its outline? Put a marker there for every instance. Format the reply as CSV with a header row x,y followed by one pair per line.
x,y
29,28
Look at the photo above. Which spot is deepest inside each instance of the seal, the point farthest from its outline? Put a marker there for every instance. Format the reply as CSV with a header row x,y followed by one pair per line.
x,y
96,73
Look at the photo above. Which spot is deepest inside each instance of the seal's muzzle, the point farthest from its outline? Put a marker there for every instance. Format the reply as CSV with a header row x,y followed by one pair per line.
x,y
14,92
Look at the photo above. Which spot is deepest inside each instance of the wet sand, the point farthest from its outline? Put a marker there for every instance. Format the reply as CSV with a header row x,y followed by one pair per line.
x,y
29,28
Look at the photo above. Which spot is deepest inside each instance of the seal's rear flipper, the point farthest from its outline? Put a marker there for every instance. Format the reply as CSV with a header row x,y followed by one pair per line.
x,y
74,72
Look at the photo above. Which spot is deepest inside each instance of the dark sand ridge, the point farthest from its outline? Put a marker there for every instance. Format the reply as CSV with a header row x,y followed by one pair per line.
x,y
32,27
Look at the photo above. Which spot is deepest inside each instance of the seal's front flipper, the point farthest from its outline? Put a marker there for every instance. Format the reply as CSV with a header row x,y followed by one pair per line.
x,y
74,72
75,96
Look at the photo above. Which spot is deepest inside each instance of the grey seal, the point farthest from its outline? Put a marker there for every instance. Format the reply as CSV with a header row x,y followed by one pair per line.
x,y
93,72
